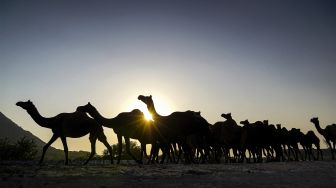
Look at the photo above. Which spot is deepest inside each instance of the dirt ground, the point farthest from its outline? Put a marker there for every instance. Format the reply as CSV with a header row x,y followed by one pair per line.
x,y
283,174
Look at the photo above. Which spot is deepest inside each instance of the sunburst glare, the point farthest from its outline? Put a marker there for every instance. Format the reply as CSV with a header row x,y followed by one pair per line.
x,y
161,107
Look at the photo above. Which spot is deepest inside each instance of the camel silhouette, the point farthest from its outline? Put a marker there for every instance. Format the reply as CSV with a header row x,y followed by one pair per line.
x,y
226,135
252,139
128,125
307,140
175,127
294,139
329,134
73,125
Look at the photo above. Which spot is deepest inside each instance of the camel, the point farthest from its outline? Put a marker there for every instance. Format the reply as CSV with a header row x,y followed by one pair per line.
x,y
176,126
272,142
293,140
307,140
226,136
128,125
73,125
252,139
329,134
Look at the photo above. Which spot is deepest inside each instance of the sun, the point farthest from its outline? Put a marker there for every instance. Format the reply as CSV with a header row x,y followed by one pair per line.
x,y
147,115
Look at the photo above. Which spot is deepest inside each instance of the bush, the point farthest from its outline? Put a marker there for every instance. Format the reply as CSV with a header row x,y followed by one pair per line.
x,y
23,149
134,148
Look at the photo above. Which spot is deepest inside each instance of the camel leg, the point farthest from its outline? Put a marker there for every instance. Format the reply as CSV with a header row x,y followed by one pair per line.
x,y
102,138
319,151
119,148
165,150
297,152
172,156
179,153
93,147
310,153
286,152
152,153
306,153
143,151
52,140
65,145
334,150
128,150
331,150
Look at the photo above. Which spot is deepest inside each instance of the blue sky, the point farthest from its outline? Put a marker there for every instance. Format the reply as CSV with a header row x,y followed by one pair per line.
x,y
257,59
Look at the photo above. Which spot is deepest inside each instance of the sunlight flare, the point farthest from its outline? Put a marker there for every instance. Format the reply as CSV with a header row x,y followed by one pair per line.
x,y
147,115
161,106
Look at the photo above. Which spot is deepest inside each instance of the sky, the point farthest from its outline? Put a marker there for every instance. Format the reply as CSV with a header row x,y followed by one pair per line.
x,y
259,60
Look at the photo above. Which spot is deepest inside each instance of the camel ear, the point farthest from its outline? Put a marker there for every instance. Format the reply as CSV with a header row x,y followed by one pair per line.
x,y
150,96
89,103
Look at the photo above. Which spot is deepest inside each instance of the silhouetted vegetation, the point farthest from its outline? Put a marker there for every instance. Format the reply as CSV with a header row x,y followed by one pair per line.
x,y
134,148
23,149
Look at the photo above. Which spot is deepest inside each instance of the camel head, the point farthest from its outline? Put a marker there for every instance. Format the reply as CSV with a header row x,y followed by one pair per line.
x,y
265,122
227,116
314,120
245,122
145,99
25,105
86,108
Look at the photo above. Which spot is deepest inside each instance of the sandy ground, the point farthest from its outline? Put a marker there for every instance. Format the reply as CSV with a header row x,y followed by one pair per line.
x,y
283,174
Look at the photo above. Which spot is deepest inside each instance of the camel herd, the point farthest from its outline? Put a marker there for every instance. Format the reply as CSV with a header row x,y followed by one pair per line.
x,y
186,136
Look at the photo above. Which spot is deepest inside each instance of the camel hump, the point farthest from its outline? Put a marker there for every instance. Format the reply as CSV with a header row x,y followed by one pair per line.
x,y
133,113
136,111
77,115
310,132
258,123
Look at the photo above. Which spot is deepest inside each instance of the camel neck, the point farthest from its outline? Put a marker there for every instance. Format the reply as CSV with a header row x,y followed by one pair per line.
x,y
318,127
100,119
40,120
152,110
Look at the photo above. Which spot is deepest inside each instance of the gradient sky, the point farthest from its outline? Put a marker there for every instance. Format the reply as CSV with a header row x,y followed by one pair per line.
x,y
259,60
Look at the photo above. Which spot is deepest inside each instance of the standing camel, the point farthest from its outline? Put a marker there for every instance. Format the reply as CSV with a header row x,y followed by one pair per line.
x,y
176,126
73,125
128,124
329,133
307,140
226,135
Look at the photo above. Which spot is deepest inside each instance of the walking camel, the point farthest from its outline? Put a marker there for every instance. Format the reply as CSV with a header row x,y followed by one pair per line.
x,y
329,133
176,126
128,124
73,125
